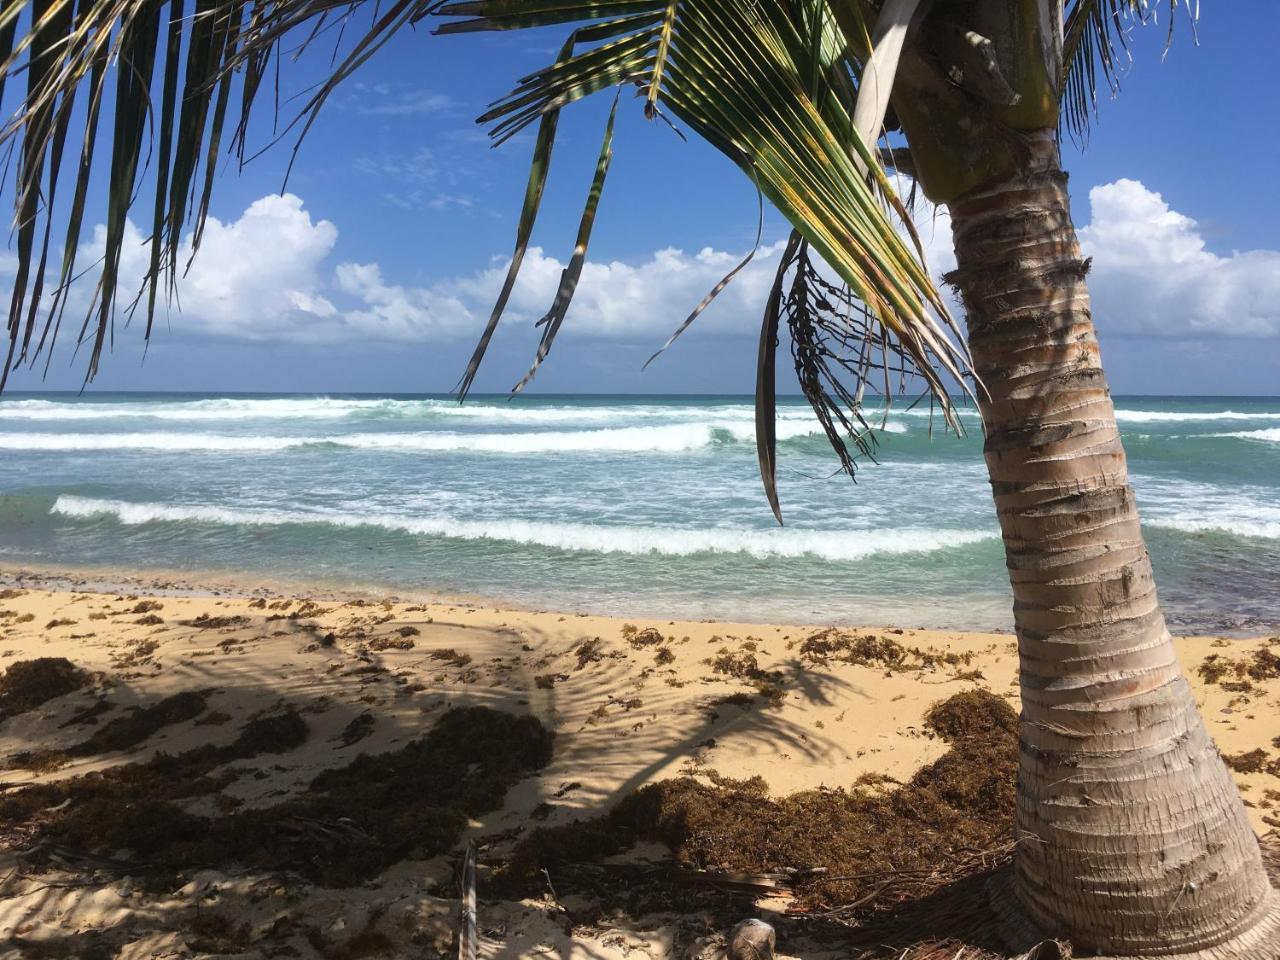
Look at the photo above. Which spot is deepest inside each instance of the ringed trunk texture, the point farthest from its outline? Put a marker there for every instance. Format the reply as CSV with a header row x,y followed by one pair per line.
x,y
1133,840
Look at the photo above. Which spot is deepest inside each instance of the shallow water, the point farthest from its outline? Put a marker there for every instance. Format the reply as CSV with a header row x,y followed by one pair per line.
x,y
626,505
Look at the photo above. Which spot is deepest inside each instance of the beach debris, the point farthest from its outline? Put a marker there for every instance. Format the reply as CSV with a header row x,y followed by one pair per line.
x,y
206,622
881,843
451,656
1252,761
1239,675
639,639
468,938
587,652
752,940
359,728
129,730
1047,950
872,650
401,641
28,684
349,824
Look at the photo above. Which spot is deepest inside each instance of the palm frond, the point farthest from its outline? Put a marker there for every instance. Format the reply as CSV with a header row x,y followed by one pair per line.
x,y
770,85
169,75
1096,50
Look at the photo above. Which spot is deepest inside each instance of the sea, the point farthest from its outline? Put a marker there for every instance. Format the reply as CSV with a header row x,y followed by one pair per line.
x,y
642,506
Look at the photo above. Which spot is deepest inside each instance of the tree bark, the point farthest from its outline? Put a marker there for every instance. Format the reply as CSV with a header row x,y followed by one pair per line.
x,y
1133,840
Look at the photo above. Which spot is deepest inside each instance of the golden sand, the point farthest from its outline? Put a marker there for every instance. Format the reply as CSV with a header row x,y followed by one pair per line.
x,y
628,704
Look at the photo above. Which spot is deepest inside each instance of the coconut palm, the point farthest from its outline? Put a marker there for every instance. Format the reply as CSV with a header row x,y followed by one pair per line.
x,y
1131,837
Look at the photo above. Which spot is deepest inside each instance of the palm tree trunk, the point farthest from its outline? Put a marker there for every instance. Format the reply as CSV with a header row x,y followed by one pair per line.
x,y
1132,836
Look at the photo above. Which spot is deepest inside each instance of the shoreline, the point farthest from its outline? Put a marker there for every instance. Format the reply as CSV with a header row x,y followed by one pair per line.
x,y
160,581
207,583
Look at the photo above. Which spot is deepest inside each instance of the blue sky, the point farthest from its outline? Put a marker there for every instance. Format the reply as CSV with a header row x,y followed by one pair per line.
x,y
376,269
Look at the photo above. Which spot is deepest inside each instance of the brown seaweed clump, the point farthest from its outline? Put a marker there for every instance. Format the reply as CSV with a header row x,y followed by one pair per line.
x,y
347,826
29,683
871,650
129,730
206,622
1252,761
1262,664
840,846
639,639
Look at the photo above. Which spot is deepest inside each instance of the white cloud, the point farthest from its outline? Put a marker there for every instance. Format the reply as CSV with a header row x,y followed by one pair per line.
x,y
1153,275
270,275
396,100
260,277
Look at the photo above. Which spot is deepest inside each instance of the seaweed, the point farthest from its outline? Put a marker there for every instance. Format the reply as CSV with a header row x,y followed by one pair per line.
x,y
359,728
870,842
740,665
1252,761
1261,665
29,683
206,622
347,826
123,732
639,639
451,656
974,713
870,650
588,652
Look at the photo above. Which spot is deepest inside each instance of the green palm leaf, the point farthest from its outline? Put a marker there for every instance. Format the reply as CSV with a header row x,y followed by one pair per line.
x,y
756,81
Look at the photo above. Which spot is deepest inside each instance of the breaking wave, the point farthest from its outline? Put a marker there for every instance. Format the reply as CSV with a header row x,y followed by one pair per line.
x,y
836,545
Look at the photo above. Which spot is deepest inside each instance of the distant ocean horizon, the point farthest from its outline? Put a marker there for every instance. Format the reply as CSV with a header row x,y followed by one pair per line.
x,y
634,505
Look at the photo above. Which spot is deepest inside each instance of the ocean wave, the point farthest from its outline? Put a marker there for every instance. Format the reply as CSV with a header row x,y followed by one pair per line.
x,y
228,408
337,408
328,408
1159,416
669,438
834,545
1254,527
118,442
1272,435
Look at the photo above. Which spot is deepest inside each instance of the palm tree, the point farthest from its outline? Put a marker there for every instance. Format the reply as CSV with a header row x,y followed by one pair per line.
x,y
1132,840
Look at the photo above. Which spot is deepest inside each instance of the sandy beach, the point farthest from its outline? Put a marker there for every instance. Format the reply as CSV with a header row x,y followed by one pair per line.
x,y
260,706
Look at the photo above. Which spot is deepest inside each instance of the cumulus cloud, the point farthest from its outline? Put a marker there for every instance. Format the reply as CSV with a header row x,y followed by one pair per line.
x,y
270,275
260,277
1152,273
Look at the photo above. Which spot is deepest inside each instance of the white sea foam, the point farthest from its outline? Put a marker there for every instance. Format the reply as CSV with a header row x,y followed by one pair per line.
x,y
336,408
215,409
119,442
835,545
668,438
328,408
1159,416
1272,435
1212,523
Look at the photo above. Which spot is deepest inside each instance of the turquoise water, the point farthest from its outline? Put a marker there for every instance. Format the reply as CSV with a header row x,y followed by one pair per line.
x,y
627,505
